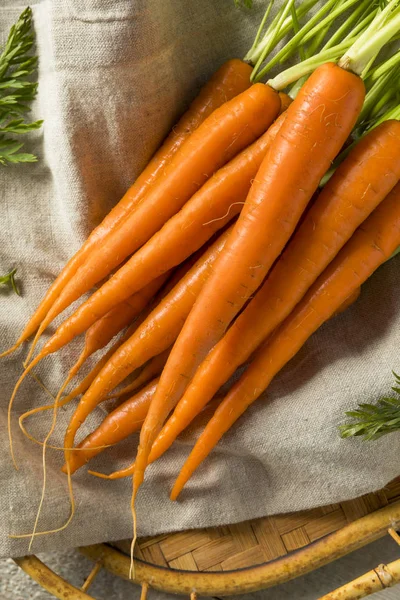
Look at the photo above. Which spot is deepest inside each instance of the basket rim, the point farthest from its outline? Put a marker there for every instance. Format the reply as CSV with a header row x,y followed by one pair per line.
x,y
249,579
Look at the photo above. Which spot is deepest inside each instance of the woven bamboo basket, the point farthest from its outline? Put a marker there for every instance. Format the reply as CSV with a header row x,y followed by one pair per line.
x,y
248,556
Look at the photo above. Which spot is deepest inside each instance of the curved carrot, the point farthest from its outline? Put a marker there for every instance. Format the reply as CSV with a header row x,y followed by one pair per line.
x,y
155,335
103,330
152,369
361,182
226,132
118,425
370,246
232,78
317,124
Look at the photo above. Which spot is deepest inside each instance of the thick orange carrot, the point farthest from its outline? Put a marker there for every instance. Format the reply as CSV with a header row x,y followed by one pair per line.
x,y
118,425
371,245
232,78
317,124
152,369
103,330
226,132
155,335
361,182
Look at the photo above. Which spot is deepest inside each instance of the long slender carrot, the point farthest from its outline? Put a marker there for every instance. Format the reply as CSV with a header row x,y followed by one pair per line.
x,y
361,182
156,449
155,335
151,370
214,205
85,384
232,78
118,425
317,124
227,131
103,330
87,381
370,246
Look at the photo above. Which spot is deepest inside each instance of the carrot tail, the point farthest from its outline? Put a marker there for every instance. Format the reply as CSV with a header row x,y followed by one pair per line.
x,y
12,349
11,402
117,426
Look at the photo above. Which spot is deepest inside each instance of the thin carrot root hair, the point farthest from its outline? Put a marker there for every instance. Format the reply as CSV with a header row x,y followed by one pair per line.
x,y
44,448
11,402
30,437
134,525
42,385
32,347
50,531
100,475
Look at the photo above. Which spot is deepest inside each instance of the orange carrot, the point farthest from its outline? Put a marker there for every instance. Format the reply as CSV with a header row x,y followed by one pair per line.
x,y
226,132
103,330
286,101
155,335
361,182
232,78
371,245
155,451
152,369
317,124
118,425
348,302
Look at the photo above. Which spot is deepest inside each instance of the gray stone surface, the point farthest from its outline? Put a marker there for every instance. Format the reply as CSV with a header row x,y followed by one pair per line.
x,y
15,585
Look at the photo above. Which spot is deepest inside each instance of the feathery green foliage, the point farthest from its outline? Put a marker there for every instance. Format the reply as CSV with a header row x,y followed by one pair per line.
x,y
17,90
374,420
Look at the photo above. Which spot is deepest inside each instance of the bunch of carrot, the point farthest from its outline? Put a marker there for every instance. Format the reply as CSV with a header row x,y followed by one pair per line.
x,y
228,250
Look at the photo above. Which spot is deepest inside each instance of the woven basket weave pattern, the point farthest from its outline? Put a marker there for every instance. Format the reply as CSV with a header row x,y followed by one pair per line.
x,y
254,542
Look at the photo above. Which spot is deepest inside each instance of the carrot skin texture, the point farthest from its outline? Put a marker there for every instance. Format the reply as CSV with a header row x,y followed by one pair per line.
x,y
232,78
151,370
216,203
361,182
352,299
227,131
316,126
117,425
371,245
154,336
103,330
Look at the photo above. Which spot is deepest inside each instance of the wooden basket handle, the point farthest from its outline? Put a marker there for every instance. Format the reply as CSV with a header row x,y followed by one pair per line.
x,y
378,579
381,578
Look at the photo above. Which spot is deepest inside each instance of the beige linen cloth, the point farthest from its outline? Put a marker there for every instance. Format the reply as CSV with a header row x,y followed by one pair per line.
x,y
114,75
